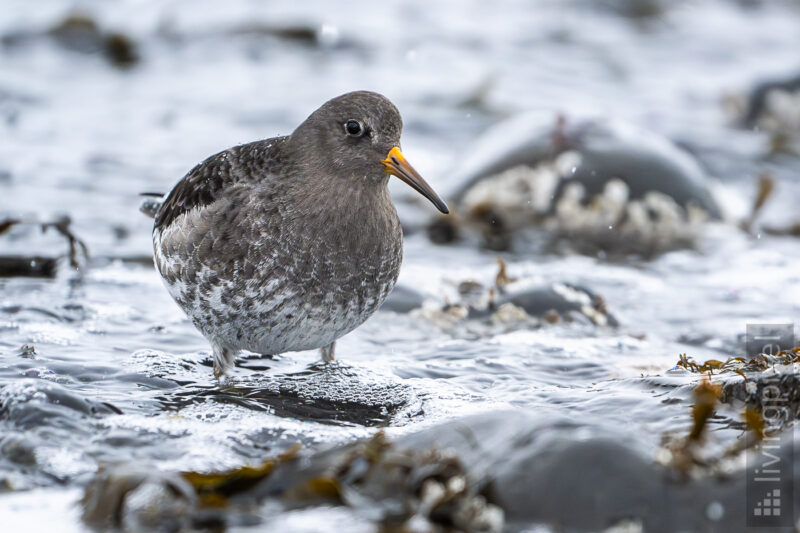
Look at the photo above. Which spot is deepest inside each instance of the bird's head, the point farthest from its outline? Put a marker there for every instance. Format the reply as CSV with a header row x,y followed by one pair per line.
x,y
356,136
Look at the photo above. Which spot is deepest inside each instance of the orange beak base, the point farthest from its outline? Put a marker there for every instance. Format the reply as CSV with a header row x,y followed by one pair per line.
x,y
396,165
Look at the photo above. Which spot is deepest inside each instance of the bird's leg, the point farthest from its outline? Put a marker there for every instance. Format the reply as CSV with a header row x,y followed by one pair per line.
x,y
223,358
327,352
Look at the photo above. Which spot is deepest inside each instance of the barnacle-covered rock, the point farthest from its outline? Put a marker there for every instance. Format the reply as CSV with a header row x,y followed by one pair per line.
x,y
767,383
512,302
600,184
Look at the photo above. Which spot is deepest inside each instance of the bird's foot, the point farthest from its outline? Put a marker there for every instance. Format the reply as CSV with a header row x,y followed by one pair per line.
x,y
327,352
223,359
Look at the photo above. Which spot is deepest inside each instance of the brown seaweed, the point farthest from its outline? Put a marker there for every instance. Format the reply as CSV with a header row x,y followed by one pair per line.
x,y
765,189
389,484
740,365
215,488
37,266
706,397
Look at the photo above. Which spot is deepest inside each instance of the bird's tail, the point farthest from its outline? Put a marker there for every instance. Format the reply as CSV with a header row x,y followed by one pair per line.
x,y
151,203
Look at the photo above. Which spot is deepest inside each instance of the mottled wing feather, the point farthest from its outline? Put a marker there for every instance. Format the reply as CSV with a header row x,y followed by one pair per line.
x,y
200,187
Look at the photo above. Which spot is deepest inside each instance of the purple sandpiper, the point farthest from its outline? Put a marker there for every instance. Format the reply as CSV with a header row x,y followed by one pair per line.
x,y
289,243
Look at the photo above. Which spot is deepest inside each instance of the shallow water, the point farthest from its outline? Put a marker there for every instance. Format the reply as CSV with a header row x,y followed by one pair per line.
x,y
117,373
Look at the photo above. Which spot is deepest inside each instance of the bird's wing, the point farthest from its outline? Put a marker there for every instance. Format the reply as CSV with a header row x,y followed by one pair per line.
x,y
206,182
200,187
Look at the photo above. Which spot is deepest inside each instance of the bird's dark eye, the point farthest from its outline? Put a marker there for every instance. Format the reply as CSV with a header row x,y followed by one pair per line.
x,y
354,128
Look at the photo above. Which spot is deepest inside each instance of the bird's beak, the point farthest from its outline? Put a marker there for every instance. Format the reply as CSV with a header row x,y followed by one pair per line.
x,y
397,165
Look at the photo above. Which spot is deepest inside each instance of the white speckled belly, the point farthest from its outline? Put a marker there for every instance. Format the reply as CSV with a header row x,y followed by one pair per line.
x,y
278,306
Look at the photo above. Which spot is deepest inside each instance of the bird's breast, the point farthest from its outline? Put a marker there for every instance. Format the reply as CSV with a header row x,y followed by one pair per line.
x,y
269,280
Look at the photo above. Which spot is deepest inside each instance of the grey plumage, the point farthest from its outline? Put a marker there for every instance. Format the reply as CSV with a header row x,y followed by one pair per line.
x,y
288,243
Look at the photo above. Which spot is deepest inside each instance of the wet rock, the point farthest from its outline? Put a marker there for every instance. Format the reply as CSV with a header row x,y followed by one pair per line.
x,y
18,449
579,180
163,370
635,9
479,474
758,100
137,498
774,107
603,150
27,351
151,203
326,393
565,300
30,403
298,33
120,50
324,36
767,384
14,266
394,485
81,33
37,266
522,302
77,32
442,231
539,472
403,299
775,393
47,431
